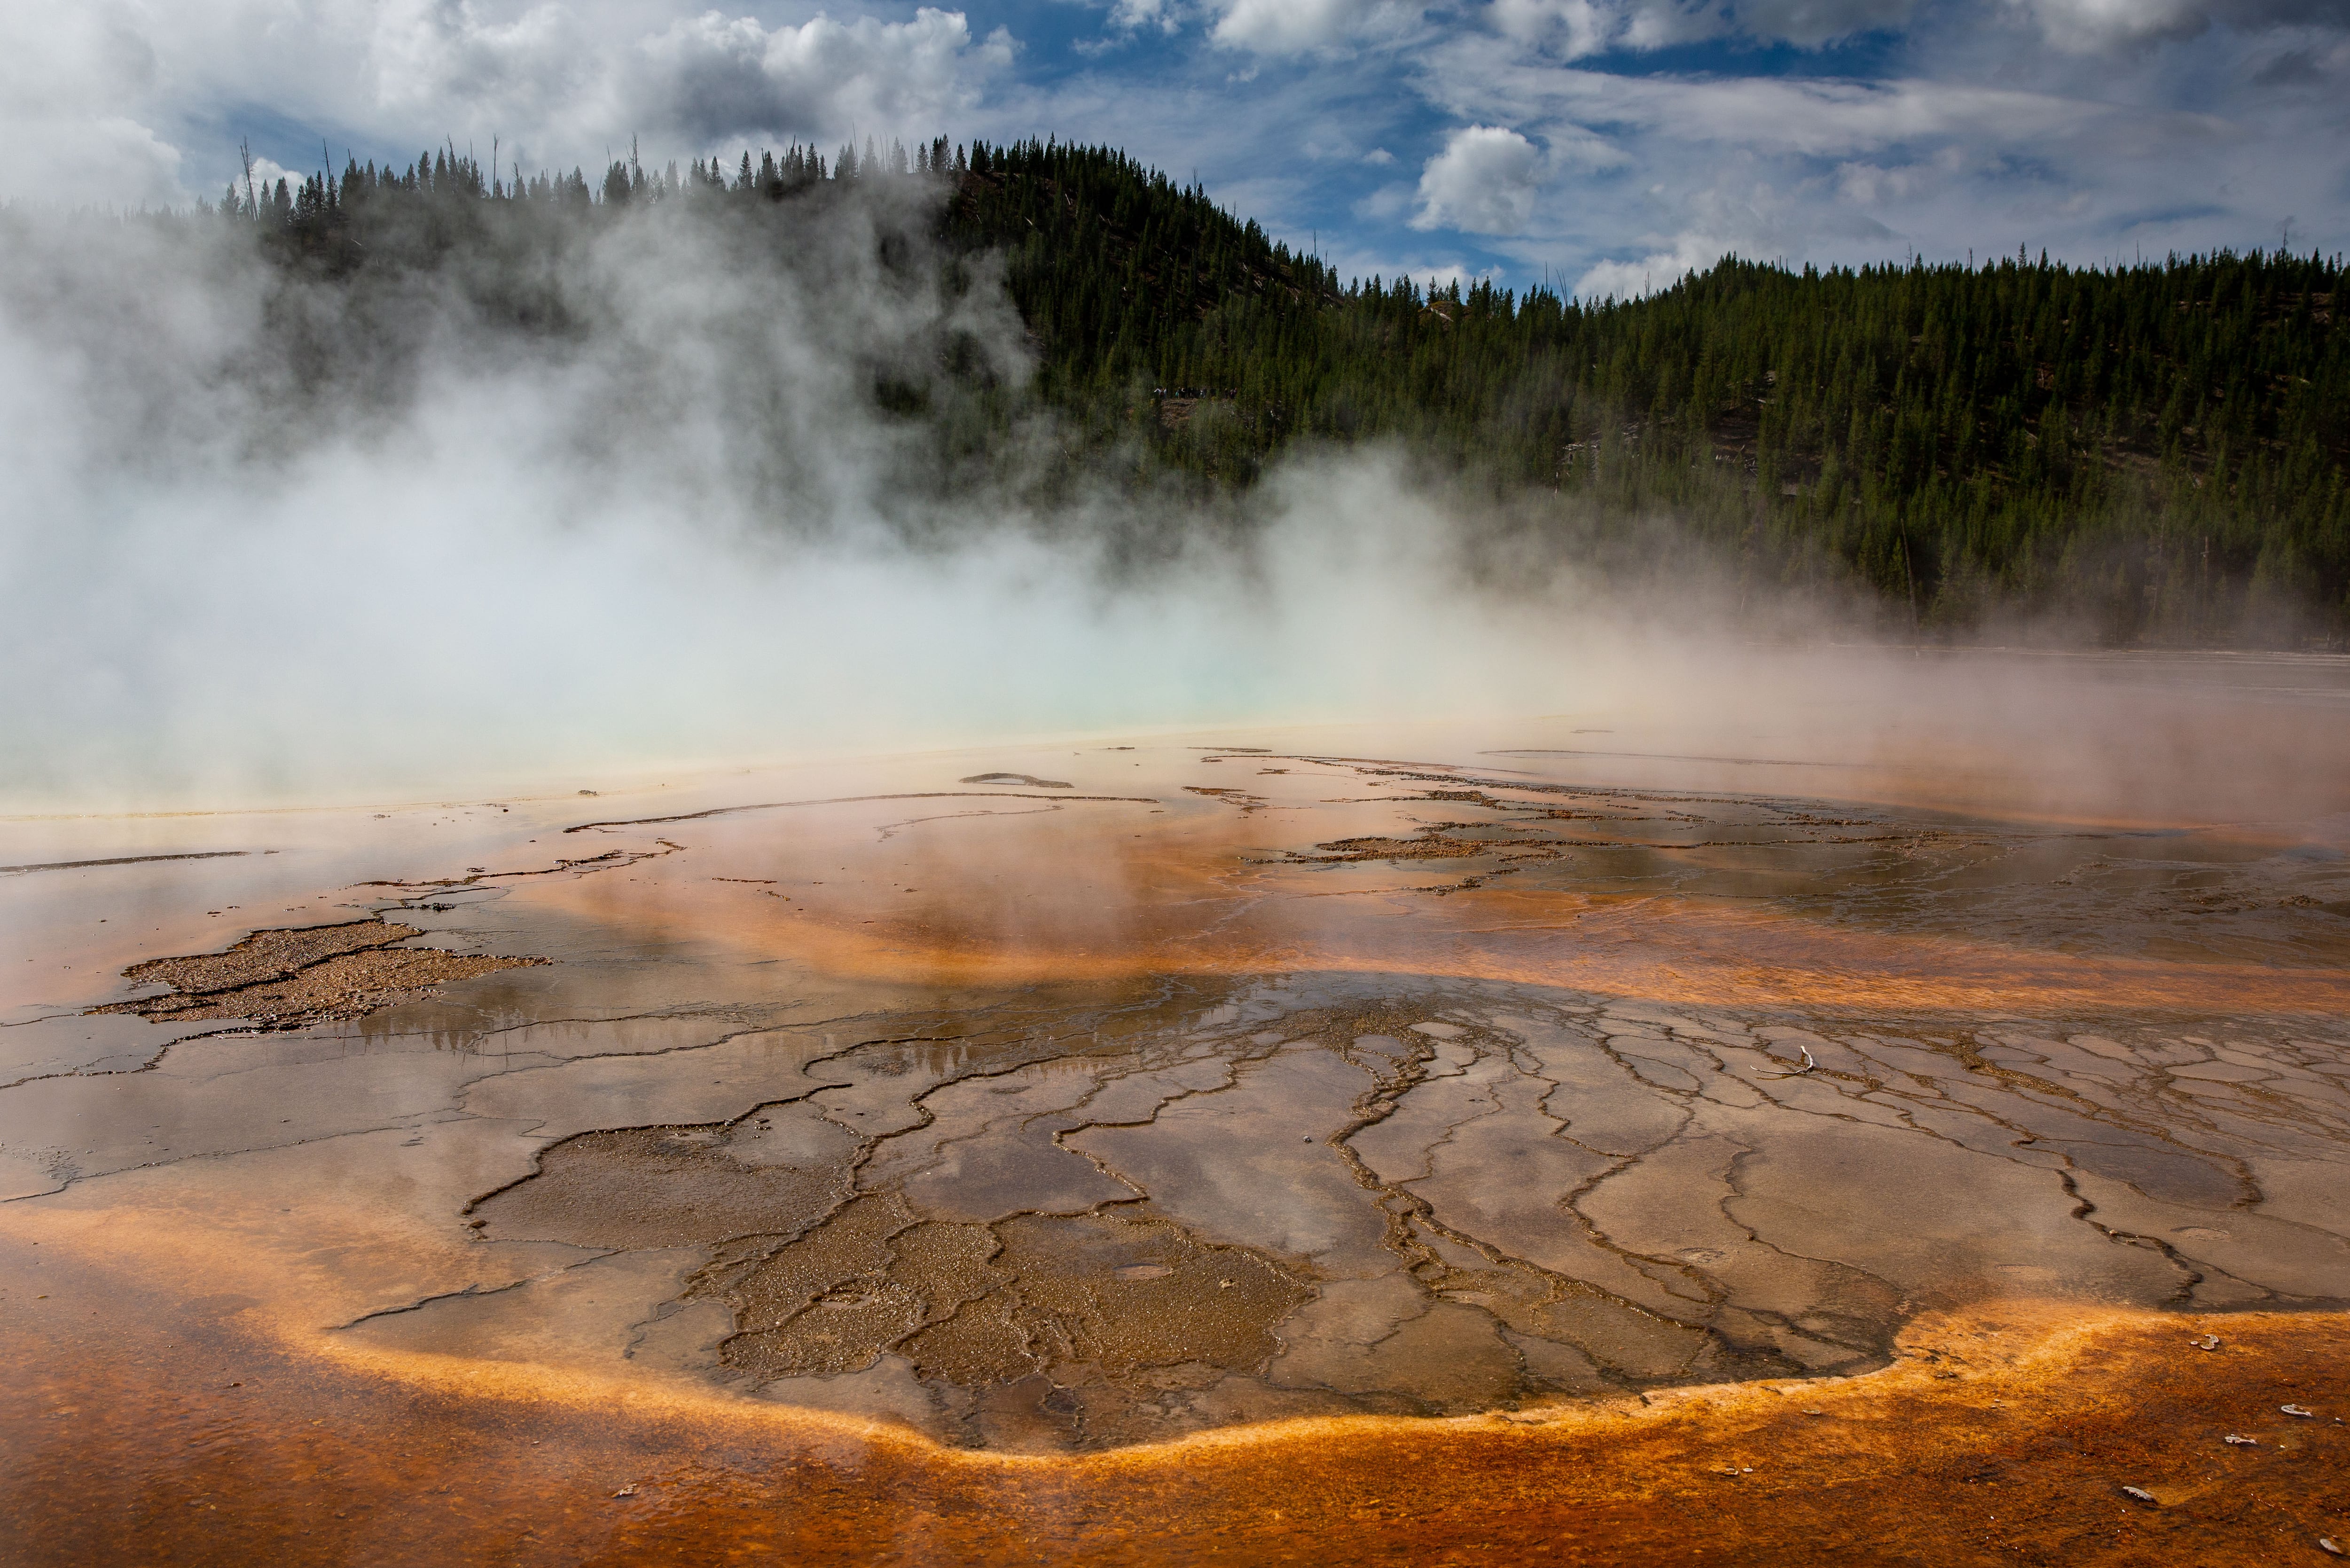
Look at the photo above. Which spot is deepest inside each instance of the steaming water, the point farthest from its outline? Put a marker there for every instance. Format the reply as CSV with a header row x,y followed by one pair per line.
x,y
272,539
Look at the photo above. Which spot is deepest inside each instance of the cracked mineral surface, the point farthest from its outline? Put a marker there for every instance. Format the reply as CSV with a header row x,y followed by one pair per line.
x,y
1221,1093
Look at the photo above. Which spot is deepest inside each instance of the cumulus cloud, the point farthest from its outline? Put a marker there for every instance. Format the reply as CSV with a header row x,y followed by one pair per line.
x,y
67,76
1131,16
1484,182
1577,26
2089,125
711,78
2094,157
128,94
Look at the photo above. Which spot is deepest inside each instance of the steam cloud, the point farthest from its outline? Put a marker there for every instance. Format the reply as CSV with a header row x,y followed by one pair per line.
x,y
272,536
676,488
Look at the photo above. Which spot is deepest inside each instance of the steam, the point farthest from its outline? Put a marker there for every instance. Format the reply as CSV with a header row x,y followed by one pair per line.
x,y
274,537
732,493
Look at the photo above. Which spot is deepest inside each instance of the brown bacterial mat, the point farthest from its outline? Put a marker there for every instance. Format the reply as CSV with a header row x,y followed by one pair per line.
x,y
293,978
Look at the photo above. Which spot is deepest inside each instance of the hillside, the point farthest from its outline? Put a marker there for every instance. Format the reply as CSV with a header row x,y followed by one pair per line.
x,y
2157,450
2159,447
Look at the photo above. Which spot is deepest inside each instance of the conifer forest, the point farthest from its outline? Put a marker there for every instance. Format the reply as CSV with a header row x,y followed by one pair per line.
x,y
2153,453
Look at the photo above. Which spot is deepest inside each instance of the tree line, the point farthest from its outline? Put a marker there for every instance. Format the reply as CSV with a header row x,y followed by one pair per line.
x,y
2160,451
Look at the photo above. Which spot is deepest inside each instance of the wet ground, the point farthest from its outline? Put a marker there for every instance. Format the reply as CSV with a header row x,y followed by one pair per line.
x,y
1468,1131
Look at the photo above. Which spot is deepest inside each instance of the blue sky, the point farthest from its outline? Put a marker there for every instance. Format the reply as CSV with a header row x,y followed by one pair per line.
x,y
1608,144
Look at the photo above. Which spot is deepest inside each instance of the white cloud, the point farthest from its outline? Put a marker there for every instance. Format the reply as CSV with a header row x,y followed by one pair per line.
x,y
2091,24
1659,269
67,76
1813,118
1484,181
1738,209
1993,138
1132,15
712,80
118,95
1297,27
1573,27
2085,125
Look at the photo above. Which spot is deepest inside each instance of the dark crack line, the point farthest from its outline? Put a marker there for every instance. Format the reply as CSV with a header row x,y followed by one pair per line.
x,y
610,860
1402,1208
133,860
475,1291
151,1065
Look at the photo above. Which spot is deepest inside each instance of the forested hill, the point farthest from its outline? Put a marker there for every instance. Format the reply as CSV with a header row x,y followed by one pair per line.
x,y
2160,449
